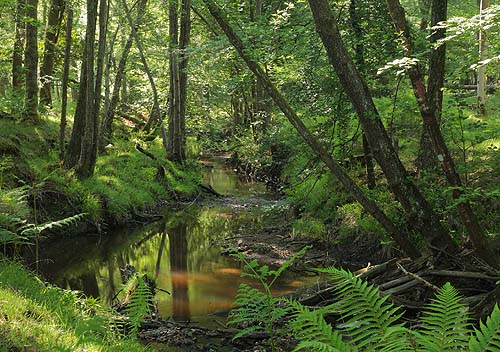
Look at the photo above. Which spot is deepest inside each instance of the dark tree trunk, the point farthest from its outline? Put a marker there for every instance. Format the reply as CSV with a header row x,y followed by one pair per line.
x,y
400,236
185,31
31,63
173,111
430,102
419,214
86,161
51,35
17,54
65,78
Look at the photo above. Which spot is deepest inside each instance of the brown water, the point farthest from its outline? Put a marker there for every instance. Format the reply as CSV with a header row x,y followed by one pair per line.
x,y
182,252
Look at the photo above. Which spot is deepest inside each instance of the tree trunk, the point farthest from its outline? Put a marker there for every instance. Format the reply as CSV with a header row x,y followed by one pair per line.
x,y
360,61
65,78
400,236
86,161
156,114
420,216
430,103
51,35
107,123
483,55
17,54
185,31
31,63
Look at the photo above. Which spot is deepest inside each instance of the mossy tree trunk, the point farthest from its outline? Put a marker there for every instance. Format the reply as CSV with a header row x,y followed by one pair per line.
x,y
31,62
419,214
17,53
65,78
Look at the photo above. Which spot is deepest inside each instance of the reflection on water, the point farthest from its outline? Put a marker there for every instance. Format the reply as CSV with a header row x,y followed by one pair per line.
x,y
180,252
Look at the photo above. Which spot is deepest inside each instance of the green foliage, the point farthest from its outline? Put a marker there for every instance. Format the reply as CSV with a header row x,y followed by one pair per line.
x,y
37,316
370,323
487,338
445,322
140,303
259,310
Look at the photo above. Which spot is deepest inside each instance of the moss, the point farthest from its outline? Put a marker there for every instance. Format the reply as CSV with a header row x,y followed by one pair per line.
x,y
39,317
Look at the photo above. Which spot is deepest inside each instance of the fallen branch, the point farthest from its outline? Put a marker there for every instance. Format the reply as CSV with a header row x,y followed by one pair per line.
x,y
417,278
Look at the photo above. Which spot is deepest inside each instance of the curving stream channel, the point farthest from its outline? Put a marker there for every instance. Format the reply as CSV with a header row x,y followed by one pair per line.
x,y
182,251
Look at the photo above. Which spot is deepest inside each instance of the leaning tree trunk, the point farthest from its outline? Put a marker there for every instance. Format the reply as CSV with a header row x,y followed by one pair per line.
x,y
17,54
430,101
31,63
156,105
399,235
65,78
51,35
107,123
419,214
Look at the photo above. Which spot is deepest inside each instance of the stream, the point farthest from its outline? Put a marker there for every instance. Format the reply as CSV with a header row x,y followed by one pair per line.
x,y
182,252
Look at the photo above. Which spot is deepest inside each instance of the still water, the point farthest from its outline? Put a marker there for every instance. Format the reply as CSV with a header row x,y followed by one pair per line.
x,y
182,252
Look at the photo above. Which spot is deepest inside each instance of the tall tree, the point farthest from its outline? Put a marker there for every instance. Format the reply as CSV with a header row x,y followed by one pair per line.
x,y
399,235
54,21
88,152
420,215
65,78
107,122
483,55
31,62
430,104
156,114
17,53
178,60
356,25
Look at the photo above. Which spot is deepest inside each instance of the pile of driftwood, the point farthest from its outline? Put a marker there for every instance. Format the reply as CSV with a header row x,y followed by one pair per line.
x,y
412,284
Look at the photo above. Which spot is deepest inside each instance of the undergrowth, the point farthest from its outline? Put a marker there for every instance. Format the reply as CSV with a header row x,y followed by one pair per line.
x,y
39,317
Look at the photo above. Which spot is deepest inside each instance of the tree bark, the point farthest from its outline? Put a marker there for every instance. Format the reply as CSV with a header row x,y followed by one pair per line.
x,y
54,21
17,54
430,104
420,216
184,37
86,161
107,123
65,78
31,62
400,236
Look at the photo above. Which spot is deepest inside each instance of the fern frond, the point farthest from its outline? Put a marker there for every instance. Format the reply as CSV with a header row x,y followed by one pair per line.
x,y
368,316
250,306
140,303
487,338
445,322
38,229
315,333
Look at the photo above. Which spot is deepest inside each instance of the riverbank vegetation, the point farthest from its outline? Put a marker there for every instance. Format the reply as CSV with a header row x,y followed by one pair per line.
x,y
376,122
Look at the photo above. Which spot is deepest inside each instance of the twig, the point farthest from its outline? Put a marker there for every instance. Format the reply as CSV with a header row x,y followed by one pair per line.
x,y
417,278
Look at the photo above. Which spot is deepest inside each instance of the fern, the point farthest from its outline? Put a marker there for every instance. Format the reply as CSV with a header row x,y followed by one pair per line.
x,y
487,338
368,317
445,322
315,333
140,303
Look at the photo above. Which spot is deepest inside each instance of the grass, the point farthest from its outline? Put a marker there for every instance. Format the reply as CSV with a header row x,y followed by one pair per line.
x,y
39,317
124,180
